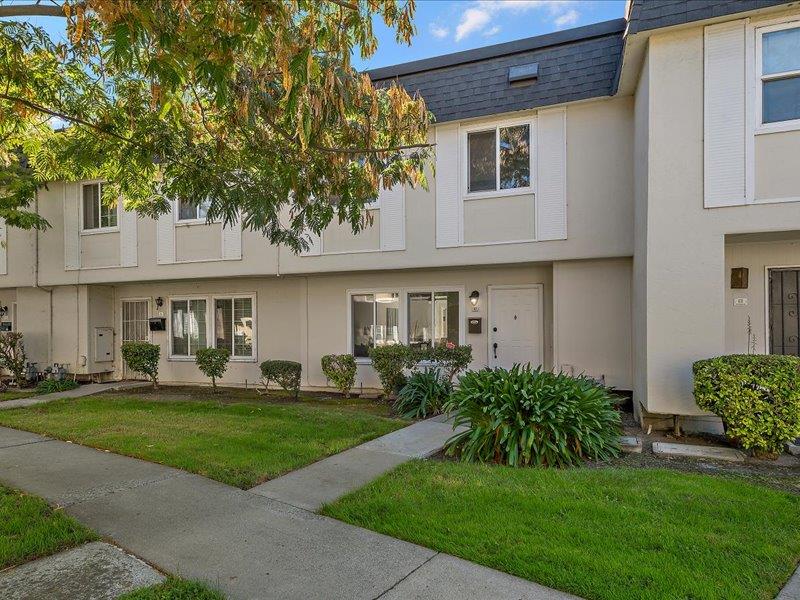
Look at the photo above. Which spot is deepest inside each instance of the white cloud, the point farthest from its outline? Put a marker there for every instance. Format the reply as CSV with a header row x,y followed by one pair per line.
x,y
438,31
568,18
490,32
480,14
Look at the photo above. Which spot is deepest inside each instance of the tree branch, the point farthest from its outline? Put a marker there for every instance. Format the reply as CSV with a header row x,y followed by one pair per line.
x,y
350,5
31,10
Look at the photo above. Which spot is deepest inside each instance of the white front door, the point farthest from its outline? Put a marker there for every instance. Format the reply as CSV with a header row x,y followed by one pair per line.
x,y
515,326
135,328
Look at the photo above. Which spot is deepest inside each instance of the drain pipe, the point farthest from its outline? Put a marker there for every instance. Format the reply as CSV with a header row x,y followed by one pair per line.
x,y
36,279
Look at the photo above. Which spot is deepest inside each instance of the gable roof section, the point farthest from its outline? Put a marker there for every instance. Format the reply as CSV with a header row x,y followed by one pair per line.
x,y
653,14
575,64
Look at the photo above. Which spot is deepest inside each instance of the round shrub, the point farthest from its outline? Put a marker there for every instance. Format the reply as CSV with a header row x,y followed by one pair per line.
x,y
286,373
340,369
389,362
213,362
756,396
423,394
142,357
450,358
533,417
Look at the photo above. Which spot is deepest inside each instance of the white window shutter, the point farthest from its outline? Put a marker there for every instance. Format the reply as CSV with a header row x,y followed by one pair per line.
x,y
449,205
3,247
724,104
232,241
315,245
72,226
393,218
165,237
128,237
550,152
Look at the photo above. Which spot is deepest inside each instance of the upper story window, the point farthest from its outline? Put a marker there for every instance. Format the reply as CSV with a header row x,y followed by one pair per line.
x,y
189,212
779,67
499,159
96,215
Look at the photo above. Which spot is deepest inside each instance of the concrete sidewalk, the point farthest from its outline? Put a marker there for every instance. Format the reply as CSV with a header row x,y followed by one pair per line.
x,y
88,389
330,478
248,545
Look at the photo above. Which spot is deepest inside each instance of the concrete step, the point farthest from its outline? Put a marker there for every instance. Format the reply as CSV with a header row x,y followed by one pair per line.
x,y
694,451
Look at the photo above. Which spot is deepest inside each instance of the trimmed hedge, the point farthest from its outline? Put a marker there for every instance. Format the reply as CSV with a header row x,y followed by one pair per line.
x,y
213,362
532,417
142,357
286,373
391,361
340,369
756,396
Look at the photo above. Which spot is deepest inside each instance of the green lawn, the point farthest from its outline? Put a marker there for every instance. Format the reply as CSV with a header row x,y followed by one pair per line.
x,y
30,528
603,533
175,589
15,394
240,444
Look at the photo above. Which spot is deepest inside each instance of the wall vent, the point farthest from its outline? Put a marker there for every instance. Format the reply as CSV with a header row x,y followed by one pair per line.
x,y
529,72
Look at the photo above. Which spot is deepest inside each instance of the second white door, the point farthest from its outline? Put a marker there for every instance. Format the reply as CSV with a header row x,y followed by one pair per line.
x,y
515,326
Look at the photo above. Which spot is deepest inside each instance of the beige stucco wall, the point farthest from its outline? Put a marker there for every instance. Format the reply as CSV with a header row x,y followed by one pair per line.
x,y
592,319
757,256
198,242
685,250
503,219
20,253
776,167
339,237
100,250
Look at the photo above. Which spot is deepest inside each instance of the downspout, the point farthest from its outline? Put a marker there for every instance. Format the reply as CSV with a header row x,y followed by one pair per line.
x,y
36,280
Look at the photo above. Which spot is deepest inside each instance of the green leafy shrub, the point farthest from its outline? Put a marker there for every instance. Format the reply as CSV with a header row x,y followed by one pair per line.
x,y
389,362
12,356
286,373
423,394
533,417
50,386
213,362
340,369
143,358
450,358
756,396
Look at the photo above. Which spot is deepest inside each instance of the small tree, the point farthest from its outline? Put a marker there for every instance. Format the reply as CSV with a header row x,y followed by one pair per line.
x,y
340,369
12,356
213,362
286,373
142,357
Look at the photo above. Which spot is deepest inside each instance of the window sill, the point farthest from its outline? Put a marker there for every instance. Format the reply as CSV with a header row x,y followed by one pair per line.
x,y
497,194
190,223
779,127
363,361
100,230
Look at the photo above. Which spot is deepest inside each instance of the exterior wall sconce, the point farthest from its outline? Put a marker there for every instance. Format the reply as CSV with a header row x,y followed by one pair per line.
x,y
3,311
159,302
473,297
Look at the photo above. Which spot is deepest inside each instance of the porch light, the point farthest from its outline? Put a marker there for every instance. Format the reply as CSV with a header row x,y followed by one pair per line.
x,y
473,297
159,302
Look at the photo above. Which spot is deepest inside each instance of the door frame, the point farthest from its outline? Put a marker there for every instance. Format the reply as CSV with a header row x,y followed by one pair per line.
x,y
767,269
512,286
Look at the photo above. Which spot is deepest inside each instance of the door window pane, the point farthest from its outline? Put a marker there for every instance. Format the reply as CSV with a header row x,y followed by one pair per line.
x,y
482,161
515,157
363,315
446,308
420,319
243,327
781,99
781,51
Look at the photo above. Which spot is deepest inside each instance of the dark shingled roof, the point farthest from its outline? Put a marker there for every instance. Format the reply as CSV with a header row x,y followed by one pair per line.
x,y
653,14
575,64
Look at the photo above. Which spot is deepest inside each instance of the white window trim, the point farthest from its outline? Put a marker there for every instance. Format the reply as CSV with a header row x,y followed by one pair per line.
x,y
496,126
176,210
186,357
97,230
761,127
402,317
213,338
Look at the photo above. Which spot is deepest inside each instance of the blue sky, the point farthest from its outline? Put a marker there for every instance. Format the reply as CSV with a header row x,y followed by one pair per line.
x,y
445,26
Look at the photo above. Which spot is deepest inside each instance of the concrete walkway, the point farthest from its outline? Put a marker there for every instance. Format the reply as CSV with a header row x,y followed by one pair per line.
x,y
94,571
248,545
88,389
330,478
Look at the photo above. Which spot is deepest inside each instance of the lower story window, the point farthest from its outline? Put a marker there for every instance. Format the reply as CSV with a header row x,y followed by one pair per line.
x,y
433,318
233,326
189,326
375,321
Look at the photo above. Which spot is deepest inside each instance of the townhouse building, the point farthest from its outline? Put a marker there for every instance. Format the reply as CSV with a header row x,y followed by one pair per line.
x,y
618,199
